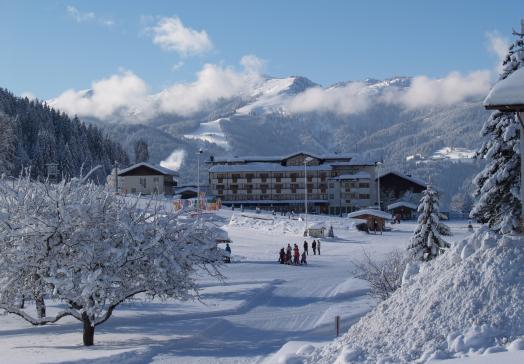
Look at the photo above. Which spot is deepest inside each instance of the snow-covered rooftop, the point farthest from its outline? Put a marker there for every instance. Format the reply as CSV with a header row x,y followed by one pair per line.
x,y
402,175
402,204
507,94
264,167
329,156
371,212
159,169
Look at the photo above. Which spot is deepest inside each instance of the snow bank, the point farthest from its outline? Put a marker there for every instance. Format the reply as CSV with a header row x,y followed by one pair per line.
x,y
469,300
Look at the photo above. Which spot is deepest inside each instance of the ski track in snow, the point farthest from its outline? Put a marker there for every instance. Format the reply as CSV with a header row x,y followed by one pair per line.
x,y
210,132
259,308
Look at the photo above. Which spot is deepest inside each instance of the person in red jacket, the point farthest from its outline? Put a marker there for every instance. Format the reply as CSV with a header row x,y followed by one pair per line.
x,y
296,255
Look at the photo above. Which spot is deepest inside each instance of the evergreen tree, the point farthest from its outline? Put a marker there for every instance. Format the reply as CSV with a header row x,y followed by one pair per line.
x,y
497,186
141,151
33,135
7,144
427,241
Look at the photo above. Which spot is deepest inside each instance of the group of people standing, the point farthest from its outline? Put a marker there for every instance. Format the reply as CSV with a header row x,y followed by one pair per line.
x,y
292,255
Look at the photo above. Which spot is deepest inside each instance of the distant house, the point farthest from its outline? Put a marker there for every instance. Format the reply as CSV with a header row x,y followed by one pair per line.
x,y
396,186
406,210
376,219
186,192
147,179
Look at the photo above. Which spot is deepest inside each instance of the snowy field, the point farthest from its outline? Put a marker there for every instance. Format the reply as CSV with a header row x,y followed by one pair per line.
x,y
263,312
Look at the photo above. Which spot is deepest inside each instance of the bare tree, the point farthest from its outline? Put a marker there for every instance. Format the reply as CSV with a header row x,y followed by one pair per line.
x,y
383,275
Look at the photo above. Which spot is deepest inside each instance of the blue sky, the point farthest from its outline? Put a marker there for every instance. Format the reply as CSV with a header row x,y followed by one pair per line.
x,y
50,46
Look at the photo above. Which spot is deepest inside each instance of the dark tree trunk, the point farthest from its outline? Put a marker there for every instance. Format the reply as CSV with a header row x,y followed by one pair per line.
x,y
40,306
22,302
89,330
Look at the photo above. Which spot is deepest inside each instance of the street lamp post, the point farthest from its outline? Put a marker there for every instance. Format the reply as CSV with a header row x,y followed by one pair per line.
x,y
200,151
377,165
306,161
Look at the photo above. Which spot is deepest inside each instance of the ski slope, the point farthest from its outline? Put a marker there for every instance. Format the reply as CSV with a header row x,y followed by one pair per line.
x,y
259,313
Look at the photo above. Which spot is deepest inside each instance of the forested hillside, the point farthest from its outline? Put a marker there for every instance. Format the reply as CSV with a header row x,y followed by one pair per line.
x,y
32,135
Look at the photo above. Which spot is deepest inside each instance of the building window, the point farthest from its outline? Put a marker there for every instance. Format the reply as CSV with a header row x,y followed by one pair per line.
x,y
249,177
155,179
363,185
322,176
293,177
363,196
331,197
331,185
143,182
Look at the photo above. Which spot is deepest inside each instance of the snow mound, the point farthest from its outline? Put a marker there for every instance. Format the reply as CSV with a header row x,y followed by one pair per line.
x,y
469,300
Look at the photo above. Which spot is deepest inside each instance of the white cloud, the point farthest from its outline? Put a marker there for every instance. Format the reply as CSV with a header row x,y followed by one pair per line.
x,y
127,94
177,66
175,160
121,92
171,34
253,64
212,84
349,99
451,89
498,46
424,91
89,16
28,94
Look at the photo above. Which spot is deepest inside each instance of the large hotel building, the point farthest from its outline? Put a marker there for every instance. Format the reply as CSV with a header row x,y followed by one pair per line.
x,y
336,183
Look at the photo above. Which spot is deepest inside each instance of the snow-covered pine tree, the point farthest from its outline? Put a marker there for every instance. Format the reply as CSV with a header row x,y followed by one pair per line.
x,y
497,186
427,241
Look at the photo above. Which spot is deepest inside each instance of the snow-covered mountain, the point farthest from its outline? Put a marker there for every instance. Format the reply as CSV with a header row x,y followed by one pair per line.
x,y
282,115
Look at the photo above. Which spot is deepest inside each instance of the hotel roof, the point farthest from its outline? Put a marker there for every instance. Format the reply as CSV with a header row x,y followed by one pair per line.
x,y
245,159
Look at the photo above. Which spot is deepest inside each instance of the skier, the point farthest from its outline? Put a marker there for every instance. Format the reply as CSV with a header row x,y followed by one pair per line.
x,y
314,246
227,258
303,260
296,254
282,256
306,248
318,246
288,254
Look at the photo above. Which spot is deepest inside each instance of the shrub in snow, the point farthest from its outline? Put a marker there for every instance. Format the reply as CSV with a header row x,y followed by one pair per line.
x,y
383,275
497,186
457,304
83,245
427,241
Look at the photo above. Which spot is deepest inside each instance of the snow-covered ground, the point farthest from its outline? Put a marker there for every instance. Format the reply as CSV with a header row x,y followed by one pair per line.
x,y
263,312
